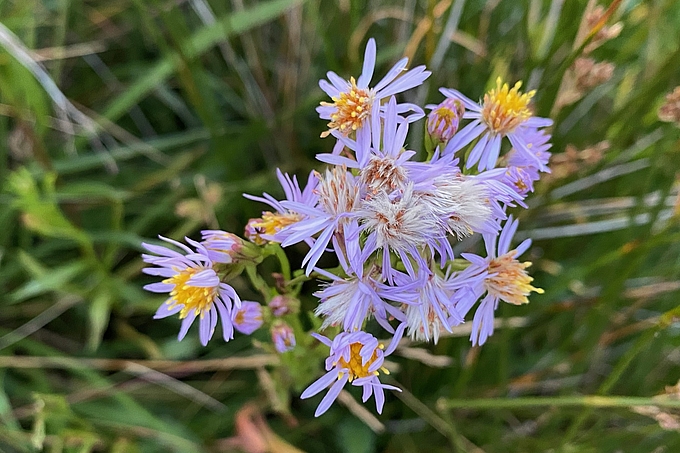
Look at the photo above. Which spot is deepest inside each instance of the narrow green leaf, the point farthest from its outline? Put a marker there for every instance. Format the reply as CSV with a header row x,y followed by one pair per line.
x,y
99,313
54,279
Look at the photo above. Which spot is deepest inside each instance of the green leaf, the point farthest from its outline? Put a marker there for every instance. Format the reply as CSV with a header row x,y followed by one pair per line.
x,y
52,280
90,191
39,206
6,415
99,313
202,41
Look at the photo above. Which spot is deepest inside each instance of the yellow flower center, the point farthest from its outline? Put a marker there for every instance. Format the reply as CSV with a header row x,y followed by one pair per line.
x,y
192,297
511,283
521,186
271,223
446,115
353,107
504,109
356,368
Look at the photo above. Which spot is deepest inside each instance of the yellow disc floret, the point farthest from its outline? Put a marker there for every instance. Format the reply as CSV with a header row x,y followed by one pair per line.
x,y
196,298
353,107
511,283
357,369
270,224
504,109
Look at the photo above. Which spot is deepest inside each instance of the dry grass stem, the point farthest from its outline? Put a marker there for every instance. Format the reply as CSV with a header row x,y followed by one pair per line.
x,y
166,366
360,412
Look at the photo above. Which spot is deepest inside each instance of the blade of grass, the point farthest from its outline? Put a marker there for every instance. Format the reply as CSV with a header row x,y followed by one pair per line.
x,y
199,43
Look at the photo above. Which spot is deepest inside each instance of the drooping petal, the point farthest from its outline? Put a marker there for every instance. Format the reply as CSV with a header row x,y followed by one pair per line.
x,y
379,398
225,318
398,334
164,310
186,323
319,385
331,396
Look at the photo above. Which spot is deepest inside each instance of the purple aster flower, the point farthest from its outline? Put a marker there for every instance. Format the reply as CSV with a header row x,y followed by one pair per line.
x,y
385,164
500,275
195,289
381,158
522,170
338,195
355,357
434,309
282,337
351,301
248,318
400,222
354,102
504,112
265,228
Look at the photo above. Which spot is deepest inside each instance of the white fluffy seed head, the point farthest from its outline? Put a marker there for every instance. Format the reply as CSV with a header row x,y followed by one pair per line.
x,y
422,320
400,220
336,300
420,330
338,191
382,174
461,203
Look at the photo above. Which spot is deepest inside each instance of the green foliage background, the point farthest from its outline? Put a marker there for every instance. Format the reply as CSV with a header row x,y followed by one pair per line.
x,y
198,101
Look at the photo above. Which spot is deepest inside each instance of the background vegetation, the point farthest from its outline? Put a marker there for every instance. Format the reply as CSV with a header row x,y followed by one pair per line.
x,y
153,117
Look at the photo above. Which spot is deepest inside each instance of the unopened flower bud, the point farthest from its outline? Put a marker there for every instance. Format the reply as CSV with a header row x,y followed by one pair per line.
x,y
228,248
443,120
283,337
283,305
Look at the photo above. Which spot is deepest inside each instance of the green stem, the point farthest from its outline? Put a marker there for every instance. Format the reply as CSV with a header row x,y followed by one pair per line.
x,y
283,259
448,430
258,282
615,375
297,280
593,401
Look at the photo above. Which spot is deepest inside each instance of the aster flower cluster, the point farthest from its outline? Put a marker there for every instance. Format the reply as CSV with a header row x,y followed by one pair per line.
x,y
389,221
